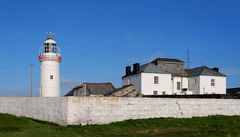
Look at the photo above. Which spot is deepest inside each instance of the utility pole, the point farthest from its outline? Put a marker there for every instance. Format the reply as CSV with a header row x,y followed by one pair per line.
x,y
31,70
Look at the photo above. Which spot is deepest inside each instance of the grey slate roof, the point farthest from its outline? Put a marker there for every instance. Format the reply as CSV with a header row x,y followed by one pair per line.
x,y
203,71
166,60
70,93
94,88
100,88
151,68
154,67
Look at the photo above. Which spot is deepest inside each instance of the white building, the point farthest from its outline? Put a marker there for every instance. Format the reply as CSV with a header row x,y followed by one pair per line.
x,y
204,80
50,59
166,76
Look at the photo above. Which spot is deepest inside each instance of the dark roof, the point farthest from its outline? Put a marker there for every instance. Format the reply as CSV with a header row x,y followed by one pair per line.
x,y
203,71
153,67
100,88
233,91
149,68
166,60
94,88
70,93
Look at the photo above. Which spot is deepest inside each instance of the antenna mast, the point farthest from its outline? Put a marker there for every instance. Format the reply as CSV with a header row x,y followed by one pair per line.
x,y
188,58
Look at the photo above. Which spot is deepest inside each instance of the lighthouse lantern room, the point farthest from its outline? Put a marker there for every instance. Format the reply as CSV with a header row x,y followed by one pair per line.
x,y
50,58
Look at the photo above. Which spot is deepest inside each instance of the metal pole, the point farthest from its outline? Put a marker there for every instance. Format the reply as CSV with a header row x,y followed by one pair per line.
x,y
31,70
188,58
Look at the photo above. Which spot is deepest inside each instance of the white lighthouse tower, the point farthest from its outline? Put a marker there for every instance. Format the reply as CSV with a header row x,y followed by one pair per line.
x,y
50,58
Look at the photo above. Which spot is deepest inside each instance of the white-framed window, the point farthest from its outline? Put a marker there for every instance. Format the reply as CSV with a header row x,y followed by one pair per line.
x,y
156,80
178,85
155,92
164,93
212,82
51,76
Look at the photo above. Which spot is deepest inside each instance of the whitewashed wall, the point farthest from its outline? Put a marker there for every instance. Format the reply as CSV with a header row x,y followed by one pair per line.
x,y
194,85
183,84
104,110
206,88
148,85
144,82
45,109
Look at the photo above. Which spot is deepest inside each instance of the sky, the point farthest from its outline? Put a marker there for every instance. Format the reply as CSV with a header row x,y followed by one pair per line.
x,y
98,38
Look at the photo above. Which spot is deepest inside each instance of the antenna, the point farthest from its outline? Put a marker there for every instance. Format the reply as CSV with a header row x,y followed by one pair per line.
x,y
50,35
188,58
31,79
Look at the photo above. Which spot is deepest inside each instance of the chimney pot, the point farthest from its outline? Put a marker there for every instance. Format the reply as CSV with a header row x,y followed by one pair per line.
x,y
136,68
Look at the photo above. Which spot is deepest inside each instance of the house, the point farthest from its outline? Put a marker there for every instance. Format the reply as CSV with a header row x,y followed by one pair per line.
x,y
103,89
92,89
126,91
203,80
167,76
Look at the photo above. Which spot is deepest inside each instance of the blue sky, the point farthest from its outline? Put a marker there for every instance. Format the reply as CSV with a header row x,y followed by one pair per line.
x,y
98,38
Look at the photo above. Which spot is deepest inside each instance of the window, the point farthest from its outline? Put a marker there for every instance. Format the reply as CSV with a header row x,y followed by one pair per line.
x,y
178,85
51,76
156,79
47,49
155,92
212,82
164,93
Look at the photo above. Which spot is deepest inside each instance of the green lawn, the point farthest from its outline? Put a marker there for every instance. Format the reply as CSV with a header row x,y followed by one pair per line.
x,y
216,126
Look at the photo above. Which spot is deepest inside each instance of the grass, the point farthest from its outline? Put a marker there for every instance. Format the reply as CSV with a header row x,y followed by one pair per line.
x,y
215,126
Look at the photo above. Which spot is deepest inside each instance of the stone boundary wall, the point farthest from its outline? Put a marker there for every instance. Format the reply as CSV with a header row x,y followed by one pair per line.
x,y
44,109
104,110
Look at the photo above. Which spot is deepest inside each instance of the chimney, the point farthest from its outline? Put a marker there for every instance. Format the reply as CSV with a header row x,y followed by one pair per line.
x,y
215,69
128,70
136,68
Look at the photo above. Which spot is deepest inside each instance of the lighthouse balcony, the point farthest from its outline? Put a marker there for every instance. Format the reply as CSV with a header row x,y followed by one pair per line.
x,y
50,57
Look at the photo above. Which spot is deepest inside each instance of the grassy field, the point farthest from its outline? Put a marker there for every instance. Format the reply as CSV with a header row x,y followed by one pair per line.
x,y
217,126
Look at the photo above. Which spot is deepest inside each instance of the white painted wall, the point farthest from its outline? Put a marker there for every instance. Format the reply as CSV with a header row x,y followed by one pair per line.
x,y
45,109
194,85
144,82
104,110
183,85
50,87
175,80
148,86
107,110
206,88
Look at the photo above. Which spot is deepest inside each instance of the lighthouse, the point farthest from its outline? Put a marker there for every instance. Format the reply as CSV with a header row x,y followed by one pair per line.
x,y
50,59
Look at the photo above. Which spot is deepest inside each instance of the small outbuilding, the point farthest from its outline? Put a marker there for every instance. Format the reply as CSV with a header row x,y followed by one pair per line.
x,y
92,89
103,89
126,91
